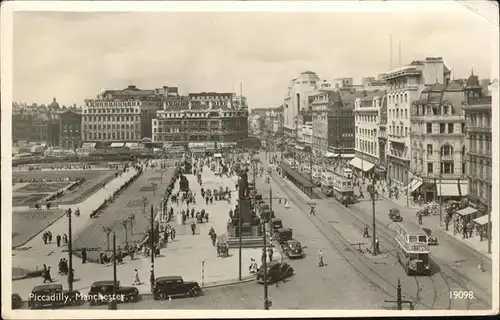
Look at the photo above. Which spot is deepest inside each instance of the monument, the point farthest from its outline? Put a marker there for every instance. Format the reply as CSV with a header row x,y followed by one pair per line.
x,y
249,226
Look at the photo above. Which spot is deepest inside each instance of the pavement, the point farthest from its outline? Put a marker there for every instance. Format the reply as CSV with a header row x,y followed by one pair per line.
x,y
182,257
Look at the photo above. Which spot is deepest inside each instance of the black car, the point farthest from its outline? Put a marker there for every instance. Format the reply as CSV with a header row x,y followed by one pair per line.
x,y
175,286
17,302
52,296
102,292
293,249
276,271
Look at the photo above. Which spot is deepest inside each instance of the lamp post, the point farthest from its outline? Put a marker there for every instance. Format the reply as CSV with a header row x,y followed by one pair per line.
x,y
373,194
153,234
407,190
113,303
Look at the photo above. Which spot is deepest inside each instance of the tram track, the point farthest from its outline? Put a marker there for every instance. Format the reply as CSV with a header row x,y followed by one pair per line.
x,y
432,298
442,276
345,247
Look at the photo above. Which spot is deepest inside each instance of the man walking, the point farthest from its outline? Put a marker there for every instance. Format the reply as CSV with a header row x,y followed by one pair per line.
x,y
365,232
58,240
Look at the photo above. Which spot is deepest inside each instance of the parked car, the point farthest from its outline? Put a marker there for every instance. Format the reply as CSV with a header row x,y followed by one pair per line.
x,y
276,271
17,302
283,235
293,249
52,296
431,239
102,292
175,286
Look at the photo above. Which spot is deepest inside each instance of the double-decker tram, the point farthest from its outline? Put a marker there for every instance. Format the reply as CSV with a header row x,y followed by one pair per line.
x,y
342,187
316,174
326,181
413,253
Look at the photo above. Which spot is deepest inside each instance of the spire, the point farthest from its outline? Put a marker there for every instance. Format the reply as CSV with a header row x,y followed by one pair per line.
x,y
472,71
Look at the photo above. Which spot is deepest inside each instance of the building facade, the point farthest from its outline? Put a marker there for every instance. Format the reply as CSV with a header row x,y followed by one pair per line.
x,y
306,134
70,129
333,123
381,169
121,115
297,99
36,123
367,119
404,86
274,120
438,143
478,130
200,125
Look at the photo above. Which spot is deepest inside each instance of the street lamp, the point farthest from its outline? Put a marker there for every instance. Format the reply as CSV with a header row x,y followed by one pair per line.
x,y
373,194
153,234
71,278
113,303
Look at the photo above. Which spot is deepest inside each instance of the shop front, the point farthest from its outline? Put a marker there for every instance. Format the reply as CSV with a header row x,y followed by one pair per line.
x,y
362,167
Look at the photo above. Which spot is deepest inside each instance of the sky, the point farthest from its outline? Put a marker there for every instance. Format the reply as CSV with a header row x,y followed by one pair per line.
x,y
74,55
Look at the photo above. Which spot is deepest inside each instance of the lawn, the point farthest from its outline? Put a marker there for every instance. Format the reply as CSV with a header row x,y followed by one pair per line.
x,y
35,191
26,224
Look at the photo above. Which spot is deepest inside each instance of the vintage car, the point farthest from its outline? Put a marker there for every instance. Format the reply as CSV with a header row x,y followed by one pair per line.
x,y
102,292
276,271
277,224
17,302
293,249
395,215
52,296
175,286
283,235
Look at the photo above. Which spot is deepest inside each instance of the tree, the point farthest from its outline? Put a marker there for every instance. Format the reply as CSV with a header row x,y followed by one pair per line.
x,y
154,185
107,230
131,219
125,225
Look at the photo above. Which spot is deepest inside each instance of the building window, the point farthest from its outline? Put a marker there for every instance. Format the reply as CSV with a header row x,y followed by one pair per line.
x,y
429,168
447,167
446,150
463,128
442,127
429,127
429,150
450,127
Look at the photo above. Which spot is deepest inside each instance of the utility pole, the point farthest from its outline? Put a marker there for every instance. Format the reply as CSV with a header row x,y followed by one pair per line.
x,y
266,288
407,191
113,303
71,277
240,226
440,190
153,234
399,299
373,195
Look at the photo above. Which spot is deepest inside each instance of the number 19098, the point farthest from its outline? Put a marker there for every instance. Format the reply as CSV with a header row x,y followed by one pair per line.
x,y
462,295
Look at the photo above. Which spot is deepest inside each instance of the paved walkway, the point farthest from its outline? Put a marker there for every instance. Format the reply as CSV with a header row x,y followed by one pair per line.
x,y
182,257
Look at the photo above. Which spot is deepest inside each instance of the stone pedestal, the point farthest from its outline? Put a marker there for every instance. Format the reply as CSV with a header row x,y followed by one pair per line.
x,y
244,206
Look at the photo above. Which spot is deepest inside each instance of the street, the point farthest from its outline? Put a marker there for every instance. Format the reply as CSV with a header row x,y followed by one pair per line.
x,y
343,227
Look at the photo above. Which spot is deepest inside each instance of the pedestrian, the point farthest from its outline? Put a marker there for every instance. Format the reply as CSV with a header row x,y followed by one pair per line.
x,y
270,253
50,236
365,232
470,228
377,245
172,234
213,235
65,238
84,255
47,276
464,231
58,240
193,227
321,261
44,238
312,212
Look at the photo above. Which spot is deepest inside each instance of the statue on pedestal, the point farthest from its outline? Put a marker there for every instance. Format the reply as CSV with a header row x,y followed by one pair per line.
x,y
243,184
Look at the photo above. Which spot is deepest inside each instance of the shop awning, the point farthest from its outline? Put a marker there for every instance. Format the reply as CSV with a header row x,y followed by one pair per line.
x,y
466,211
330,154
451,189
89,145
217,155
414,185
481,220
299,147
346,155
361,164
132,145
117,144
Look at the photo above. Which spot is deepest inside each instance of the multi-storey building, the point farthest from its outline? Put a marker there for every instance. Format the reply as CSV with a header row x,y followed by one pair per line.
x,y
35,123
381,169
208,117
297,99
122,115
274,120
306,133
404,85
438,142
478,129
333,123
366,117
256,124
70,129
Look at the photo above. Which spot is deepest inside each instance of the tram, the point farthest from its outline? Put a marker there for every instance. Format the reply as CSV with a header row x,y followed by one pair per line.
x,y
413,253
326,180
342,187
316,174
290,162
